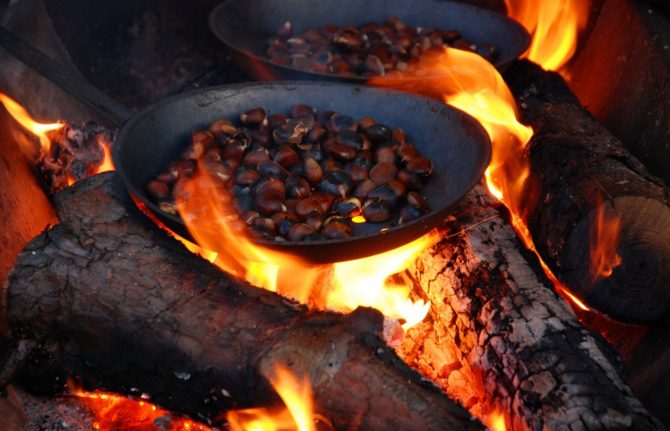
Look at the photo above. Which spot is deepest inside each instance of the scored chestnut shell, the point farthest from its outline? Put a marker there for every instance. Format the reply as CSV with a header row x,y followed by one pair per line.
x,y
304,177
222,127
348,208
336,183
297,188
376,211
253,117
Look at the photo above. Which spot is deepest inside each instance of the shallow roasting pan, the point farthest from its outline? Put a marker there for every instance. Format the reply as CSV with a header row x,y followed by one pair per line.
x,y
245,26
455,142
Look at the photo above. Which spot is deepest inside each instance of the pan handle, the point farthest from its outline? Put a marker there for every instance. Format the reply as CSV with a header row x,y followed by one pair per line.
x,y
68,80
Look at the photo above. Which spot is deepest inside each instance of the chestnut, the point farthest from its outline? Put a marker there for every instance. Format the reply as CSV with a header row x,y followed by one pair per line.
x,y
297,188
376,211
253,117
336,230
299,231
383,172
336,183
313,171
222,127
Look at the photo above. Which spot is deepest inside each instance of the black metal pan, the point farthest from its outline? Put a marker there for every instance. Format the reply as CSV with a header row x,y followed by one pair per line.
x,y
245,26
455,142
148,141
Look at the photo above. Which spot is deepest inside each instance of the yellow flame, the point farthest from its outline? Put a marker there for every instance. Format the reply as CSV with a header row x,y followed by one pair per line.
x,y
554,27
205,206
468,82
106,164
366,282
496,421
296,416
21,115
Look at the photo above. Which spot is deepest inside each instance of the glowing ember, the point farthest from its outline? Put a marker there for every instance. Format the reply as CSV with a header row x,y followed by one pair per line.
x,y
113,412
205,206
554,27
24,118
296,416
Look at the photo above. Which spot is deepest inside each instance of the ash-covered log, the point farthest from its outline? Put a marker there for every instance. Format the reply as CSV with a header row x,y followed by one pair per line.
x,y
580,172
500,340
116,302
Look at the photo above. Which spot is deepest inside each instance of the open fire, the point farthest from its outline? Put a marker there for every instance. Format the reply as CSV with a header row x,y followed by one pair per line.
x,y
466,82
115,412
469,83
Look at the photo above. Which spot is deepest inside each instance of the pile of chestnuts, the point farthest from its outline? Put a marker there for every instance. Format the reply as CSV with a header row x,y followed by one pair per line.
x,y
369,50
305,176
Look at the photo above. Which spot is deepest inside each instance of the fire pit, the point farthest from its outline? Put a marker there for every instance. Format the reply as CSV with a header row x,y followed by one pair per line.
x,y
106,297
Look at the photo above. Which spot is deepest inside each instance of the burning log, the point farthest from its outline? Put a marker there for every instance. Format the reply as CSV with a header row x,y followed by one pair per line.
x,y
119,304
500,340
74,153
597,217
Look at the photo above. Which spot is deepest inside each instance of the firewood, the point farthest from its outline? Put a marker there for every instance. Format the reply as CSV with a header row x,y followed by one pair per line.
x,y
577,166
117,303
500,340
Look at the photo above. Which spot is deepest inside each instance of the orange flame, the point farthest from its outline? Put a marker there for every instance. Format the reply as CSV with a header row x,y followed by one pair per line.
x,y
21,115
468,82
554,27
604,237
297,416
205,206
107,164
113,412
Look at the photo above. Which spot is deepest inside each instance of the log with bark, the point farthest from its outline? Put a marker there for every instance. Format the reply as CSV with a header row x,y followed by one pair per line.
x,y
114,301
578,169
500,340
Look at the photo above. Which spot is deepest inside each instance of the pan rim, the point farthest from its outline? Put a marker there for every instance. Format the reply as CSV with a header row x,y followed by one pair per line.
x,y
500,64
428,220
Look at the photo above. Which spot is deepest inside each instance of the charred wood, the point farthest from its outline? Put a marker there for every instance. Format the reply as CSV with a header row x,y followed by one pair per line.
x,y
498,337
76,152
648,371
116,302
580,172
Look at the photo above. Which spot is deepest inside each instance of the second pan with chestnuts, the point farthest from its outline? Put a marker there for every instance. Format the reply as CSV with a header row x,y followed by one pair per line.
x,y
455,143
247,27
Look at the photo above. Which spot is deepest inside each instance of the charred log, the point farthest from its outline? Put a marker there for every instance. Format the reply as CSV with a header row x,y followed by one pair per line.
x,y
119,304
581,171
499,339
76,152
